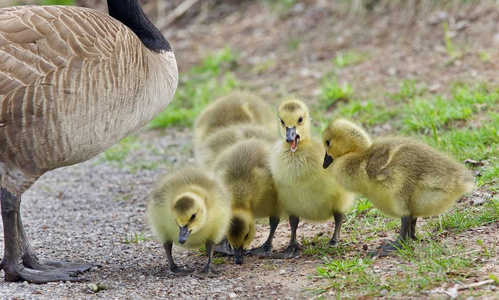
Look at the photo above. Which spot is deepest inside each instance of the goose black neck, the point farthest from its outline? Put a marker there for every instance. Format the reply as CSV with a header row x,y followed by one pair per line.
x,y
131,14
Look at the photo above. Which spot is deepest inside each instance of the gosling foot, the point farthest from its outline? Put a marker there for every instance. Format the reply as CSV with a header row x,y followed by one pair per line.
x,y
207,272
386,249
292,251
181,271
224,248
264,249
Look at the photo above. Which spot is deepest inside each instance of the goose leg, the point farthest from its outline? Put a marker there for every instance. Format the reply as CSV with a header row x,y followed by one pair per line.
x,y
266,248
338,220
30,260
390,247
15,245
293,249
208,271
173,266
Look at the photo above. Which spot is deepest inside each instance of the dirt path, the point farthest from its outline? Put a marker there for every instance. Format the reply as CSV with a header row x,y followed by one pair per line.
x,y
89,211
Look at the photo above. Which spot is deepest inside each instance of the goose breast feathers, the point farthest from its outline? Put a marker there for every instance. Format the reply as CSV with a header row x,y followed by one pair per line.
x,y
73,81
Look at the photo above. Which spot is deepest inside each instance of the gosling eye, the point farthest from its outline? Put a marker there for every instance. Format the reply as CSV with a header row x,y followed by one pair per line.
x,y
300,120
328,143
246,237
193,217
282,122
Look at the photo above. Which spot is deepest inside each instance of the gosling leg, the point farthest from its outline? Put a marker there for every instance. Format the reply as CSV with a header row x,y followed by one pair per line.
x,y
208,271
412,230
16,262
266,248
390,247
293,249
338,220
180,271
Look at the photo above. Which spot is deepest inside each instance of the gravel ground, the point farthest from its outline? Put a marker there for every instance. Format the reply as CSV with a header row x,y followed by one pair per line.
x,y
88,212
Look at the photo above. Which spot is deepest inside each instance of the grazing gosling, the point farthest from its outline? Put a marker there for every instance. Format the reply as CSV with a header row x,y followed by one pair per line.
x,y
305,189
245,171
191,209
403,178
221,140
235,108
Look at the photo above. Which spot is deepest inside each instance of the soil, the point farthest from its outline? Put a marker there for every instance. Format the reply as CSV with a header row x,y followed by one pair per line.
x,y
88,211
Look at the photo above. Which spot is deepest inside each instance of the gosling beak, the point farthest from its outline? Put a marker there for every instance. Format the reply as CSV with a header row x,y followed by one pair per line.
x,y
238,255
328,160
292,138
183,234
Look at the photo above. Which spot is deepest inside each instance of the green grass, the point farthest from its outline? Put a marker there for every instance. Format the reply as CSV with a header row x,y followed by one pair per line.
x,y
349,58
429,265
409,89
197,87
57,2
468,217
136,238
333,92
120,151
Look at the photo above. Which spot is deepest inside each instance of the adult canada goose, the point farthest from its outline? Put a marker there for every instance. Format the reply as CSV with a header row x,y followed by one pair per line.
x,y
305,190
244,169
403,178
235,108
207,153
73,82
191,209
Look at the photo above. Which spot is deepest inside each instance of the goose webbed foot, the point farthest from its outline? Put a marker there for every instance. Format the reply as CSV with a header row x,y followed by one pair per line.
x,y
21,273
292,251
47,265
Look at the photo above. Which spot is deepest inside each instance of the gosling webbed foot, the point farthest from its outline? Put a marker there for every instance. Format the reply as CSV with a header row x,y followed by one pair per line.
x,y
180,271
224,248
264,249
385,249
207,272
292,251
333,242
21,273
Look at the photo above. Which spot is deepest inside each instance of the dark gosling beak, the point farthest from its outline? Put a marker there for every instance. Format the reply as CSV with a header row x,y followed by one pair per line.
x,y
290,134
184,234
238,256
328,160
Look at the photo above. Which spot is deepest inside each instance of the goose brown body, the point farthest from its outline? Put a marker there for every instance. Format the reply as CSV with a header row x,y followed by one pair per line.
x,y
73,82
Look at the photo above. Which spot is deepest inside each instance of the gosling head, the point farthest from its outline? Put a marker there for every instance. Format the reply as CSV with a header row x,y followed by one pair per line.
x,y
341,137
295,122
189,211
241,233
